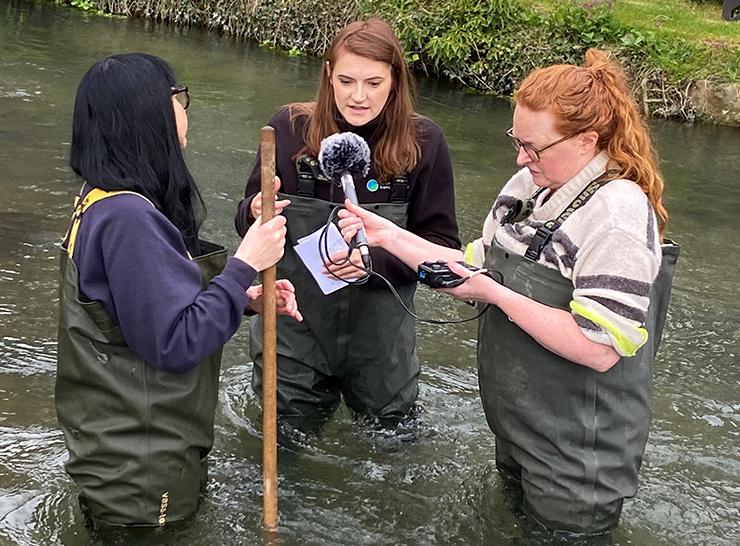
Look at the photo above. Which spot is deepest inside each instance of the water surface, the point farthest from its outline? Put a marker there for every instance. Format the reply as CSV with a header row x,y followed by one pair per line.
x,y
435,486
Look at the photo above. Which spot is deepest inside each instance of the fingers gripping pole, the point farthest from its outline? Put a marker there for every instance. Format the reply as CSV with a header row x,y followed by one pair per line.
x,y
269,354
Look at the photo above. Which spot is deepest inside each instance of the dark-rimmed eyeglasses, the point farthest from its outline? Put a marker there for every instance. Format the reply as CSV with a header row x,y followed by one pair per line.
x,y
180,92
532,152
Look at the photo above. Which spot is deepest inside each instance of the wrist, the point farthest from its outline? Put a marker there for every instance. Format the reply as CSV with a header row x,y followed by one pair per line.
x,y
390,239
504,298
242,263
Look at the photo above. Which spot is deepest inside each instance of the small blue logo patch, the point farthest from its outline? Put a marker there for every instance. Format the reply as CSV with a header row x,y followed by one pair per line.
x,y
372,185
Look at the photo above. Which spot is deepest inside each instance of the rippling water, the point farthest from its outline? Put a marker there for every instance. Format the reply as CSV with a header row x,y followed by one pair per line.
x,y
434,485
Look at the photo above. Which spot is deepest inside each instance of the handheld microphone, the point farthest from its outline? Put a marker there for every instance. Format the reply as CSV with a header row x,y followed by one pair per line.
x,y
341,155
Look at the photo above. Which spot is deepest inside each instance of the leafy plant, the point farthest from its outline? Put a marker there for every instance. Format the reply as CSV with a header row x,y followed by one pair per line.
x,y
487,45
84,5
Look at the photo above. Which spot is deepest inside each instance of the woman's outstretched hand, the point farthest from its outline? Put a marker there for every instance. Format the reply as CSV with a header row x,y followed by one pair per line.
x,y
264,244
286,302
476,287
377,229
255,207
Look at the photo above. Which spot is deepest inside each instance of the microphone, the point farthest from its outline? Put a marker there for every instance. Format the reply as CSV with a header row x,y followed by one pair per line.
x,y
341,155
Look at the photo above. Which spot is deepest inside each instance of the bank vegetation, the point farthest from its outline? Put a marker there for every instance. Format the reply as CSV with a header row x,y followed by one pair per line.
x,y
676,70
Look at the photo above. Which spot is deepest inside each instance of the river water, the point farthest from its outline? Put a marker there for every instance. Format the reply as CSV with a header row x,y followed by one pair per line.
x,y
435,486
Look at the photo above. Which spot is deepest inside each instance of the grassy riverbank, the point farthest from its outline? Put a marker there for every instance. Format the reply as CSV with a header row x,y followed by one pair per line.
x,y
489,46
492,45
705,45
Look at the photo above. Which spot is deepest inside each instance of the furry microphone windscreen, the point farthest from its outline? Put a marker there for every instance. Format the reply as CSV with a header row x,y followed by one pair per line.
x,y
344,153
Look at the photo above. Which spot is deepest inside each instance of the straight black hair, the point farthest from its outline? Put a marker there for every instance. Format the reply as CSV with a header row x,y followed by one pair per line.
x,y
124,137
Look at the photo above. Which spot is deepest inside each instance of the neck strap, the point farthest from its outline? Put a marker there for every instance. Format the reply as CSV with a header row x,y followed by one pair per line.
x,y
544,233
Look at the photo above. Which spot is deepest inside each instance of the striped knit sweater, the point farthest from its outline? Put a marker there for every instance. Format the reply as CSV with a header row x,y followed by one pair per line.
x,y
609,248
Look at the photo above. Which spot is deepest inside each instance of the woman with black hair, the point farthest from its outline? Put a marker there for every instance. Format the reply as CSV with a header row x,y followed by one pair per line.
x,y
145,306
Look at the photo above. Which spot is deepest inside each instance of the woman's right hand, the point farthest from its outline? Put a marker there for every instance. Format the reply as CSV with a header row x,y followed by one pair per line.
x,y
255,207
377,229
264,244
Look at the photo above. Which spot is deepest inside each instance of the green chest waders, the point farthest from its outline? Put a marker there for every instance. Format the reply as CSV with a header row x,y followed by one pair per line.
x,y
137,437
357,340
574,437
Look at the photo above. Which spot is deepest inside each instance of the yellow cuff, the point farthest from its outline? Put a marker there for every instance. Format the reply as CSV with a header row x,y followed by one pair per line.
x,y
470,253
625,346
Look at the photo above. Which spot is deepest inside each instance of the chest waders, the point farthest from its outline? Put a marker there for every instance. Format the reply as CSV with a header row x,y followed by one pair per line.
x,y
137,437
573,438
356,342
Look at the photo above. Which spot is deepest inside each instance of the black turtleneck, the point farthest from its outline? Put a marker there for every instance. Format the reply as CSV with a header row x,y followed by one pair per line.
x,y
431,187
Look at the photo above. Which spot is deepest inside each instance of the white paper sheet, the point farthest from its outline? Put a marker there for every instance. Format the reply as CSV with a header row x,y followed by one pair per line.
x,y
308,251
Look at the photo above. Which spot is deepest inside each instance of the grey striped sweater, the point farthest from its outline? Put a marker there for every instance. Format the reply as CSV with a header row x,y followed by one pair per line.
x,y
609,248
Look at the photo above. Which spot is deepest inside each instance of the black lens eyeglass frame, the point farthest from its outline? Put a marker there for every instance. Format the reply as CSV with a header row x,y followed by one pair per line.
x,y
531,151
177,90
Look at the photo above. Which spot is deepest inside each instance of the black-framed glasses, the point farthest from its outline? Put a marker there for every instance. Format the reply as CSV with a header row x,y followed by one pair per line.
x,y
180,92
532,152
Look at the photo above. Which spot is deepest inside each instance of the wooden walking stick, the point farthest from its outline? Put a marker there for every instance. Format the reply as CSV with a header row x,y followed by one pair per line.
x,y
269,352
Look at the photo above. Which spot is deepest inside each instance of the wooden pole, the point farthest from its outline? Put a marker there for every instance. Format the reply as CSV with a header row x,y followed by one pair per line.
x,y
269,352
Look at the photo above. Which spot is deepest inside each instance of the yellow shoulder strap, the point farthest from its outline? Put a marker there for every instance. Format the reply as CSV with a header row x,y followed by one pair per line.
x,y
81,205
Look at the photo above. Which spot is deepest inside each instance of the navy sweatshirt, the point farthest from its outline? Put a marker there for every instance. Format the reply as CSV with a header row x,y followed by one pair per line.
x,y
133,260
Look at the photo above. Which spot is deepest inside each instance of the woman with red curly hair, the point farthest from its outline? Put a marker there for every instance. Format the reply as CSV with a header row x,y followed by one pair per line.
x,y
582,281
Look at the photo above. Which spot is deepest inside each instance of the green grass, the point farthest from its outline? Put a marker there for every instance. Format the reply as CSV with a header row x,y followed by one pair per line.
x,y
696,22
696,42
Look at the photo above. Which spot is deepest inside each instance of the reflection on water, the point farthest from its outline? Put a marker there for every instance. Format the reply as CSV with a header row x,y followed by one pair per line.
x,y
348,484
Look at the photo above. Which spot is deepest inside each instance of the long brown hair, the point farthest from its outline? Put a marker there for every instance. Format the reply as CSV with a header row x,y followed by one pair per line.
x,y
596,98
396,150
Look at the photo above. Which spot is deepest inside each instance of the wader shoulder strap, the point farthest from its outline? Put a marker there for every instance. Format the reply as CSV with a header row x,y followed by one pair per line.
x,y
399,189
545,231
82,204
309,171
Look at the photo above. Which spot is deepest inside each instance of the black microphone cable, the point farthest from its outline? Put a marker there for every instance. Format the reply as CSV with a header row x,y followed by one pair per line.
x,y
324,254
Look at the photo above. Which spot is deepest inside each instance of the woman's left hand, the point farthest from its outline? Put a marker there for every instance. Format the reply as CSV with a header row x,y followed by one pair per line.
x,y
348,270
477,287
285,295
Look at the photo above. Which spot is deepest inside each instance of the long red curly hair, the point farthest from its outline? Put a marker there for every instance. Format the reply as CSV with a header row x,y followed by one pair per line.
x,y
596,98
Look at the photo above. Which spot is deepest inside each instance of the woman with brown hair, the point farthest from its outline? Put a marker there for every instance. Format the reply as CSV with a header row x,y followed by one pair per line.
x,y
578,287
356,342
